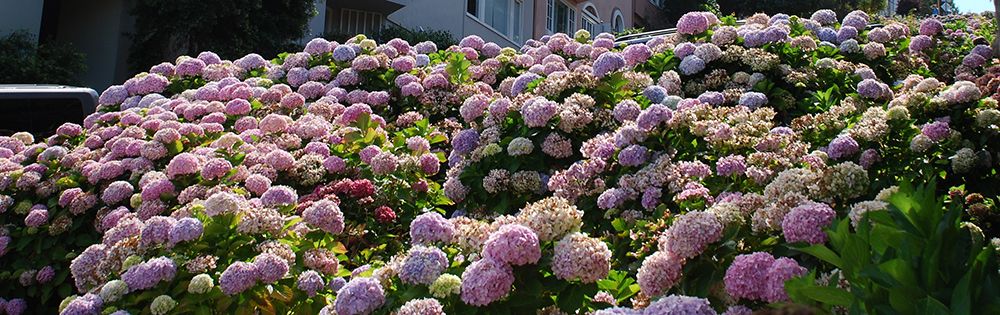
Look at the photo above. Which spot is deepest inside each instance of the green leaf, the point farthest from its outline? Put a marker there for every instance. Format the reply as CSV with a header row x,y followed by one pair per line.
x,y
930,305
823,253
828,295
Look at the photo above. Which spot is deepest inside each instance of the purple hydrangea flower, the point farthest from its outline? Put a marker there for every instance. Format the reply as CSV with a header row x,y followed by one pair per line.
x,y
691,64
607,63
147,274
360,296
88,304
936,131
486,281
873,89
278,196
186,229
465,141
633,155
679,304
655,93
238,277
422,265
343,53
805,223
841,147
746,277
309,281
780,271
693,23
753,100
431,227
513,244
326,215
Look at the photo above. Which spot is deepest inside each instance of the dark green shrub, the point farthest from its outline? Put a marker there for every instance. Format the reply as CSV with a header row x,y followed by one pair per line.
x,y
23,60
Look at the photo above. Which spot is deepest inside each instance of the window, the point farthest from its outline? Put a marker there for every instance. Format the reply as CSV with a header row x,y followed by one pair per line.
x,y
549,16
359,22
504,16
590,22
560,17
472,7
618,24
496,14
517,22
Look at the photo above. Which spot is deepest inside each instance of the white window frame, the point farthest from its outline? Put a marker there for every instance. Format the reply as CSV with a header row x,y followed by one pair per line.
x,y
550,23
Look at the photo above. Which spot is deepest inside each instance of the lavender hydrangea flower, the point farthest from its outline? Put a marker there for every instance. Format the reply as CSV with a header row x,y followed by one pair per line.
x,y
655,93
146,275
841,147
326,215
486,281
425,306
431,227
658,273
607,63
746,277
753,100
238,277
824,17
513,244
633,155
693,23
805,223
360,296
186,229
679,304
691,65
690,234
422,265
278,196
310,281
89,304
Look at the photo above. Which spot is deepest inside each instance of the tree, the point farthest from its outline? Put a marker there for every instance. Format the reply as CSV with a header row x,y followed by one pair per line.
x,y
24,60
165,29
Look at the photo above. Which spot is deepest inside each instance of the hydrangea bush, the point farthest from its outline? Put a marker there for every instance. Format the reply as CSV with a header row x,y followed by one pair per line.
x,y
695,173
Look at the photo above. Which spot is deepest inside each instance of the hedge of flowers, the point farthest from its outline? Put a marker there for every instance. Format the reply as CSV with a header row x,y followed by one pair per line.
x,y
844,164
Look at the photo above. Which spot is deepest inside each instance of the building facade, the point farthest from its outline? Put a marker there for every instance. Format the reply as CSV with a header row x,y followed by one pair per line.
x,y
506,22
100,28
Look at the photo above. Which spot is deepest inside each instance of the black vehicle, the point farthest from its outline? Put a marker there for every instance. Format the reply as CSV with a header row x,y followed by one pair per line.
x,y
40,109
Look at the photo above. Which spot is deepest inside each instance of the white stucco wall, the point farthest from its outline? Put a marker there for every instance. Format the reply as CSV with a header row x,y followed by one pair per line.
x,y
20,15
449,15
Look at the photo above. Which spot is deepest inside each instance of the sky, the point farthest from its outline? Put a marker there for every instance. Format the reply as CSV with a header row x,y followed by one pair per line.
x,y
975,6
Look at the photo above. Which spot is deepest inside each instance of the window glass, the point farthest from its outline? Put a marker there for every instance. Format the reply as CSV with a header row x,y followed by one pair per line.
x,y
496,14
